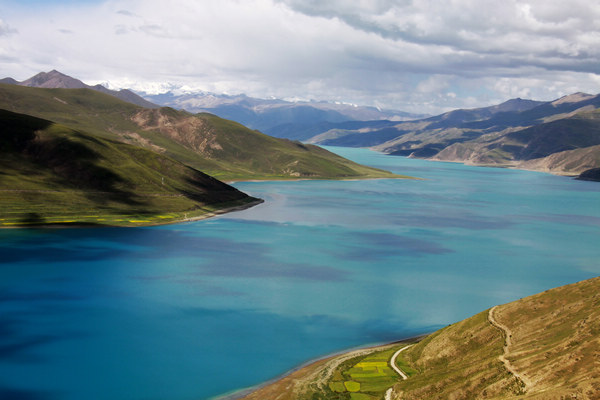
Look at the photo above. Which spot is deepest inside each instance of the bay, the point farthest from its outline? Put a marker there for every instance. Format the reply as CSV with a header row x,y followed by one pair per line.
x,y
196,310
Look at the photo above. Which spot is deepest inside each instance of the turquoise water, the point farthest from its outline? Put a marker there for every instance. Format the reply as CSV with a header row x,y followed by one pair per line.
x,y
196,310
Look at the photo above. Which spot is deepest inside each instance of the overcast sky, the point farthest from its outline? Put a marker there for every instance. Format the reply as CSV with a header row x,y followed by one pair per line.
x,y
419,56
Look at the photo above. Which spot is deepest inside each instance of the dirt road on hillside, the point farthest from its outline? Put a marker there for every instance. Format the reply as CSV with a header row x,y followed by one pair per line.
x,y
507,344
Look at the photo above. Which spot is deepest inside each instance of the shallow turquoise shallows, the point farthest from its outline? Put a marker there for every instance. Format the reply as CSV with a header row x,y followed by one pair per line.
x,y
197,310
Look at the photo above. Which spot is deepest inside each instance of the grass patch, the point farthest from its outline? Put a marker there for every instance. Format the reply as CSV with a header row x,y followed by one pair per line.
x,y
366,377
352,386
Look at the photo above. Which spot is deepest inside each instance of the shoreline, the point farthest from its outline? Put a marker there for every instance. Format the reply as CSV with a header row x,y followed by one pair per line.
x,y
242,393
215,213
210,214
73,225
407,177
515,166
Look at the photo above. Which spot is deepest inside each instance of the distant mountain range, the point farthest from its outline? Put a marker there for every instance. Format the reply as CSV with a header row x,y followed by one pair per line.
x,y
58,80
560,136
276,117
556,136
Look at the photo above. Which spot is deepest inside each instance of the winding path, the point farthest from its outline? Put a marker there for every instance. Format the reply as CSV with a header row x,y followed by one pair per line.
x,y
507,344
390,391
393,363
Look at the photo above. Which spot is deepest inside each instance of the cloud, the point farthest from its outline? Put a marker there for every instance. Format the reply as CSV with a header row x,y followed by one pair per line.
x,y
399,54
5,29
127,13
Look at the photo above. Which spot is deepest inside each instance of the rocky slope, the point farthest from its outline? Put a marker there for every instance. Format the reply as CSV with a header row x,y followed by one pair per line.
x,y
566,146
514,133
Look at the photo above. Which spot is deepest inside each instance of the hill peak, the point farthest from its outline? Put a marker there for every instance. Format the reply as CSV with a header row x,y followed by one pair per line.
x,y
573,98
55,80
517,104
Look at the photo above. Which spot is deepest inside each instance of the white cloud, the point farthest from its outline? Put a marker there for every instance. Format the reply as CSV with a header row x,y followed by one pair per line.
x,y
5,29
433,84
403,54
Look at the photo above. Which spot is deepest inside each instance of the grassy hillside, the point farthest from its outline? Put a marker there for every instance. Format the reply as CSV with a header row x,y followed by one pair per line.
x,y
52,174
550,341
216,146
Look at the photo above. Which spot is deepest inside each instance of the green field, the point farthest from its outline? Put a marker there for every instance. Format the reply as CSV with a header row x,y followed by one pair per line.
x,y
365,378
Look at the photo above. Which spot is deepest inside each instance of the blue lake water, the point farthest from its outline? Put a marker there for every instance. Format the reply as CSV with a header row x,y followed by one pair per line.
x,y
195,310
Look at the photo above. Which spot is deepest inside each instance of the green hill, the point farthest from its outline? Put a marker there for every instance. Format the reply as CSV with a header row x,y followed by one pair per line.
x,y
545,346
224,149
52,174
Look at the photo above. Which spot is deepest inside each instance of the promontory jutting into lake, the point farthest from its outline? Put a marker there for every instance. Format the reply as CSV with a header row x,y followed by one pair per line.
x,y
202,309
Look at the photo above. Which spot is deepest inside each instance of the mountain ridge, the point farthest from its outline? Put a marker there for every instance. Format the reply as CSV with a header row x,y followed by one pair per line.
x,y
509,134
57,80
272,116
221,148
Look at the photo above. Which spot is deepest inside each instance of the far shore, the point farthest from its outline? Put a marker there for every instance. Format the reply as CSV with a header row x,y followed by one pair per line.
x,y
515,166
324,179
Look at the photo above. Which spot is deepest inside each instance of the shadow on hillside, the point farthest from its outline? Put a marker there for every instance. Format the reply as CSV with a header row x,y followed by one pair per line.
x,y
207,189
75,165
32,219
69,156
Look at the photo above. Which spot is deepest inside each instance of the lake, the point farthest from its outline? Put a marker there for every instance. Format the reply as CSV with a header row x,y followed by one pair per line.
x,y
197,310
